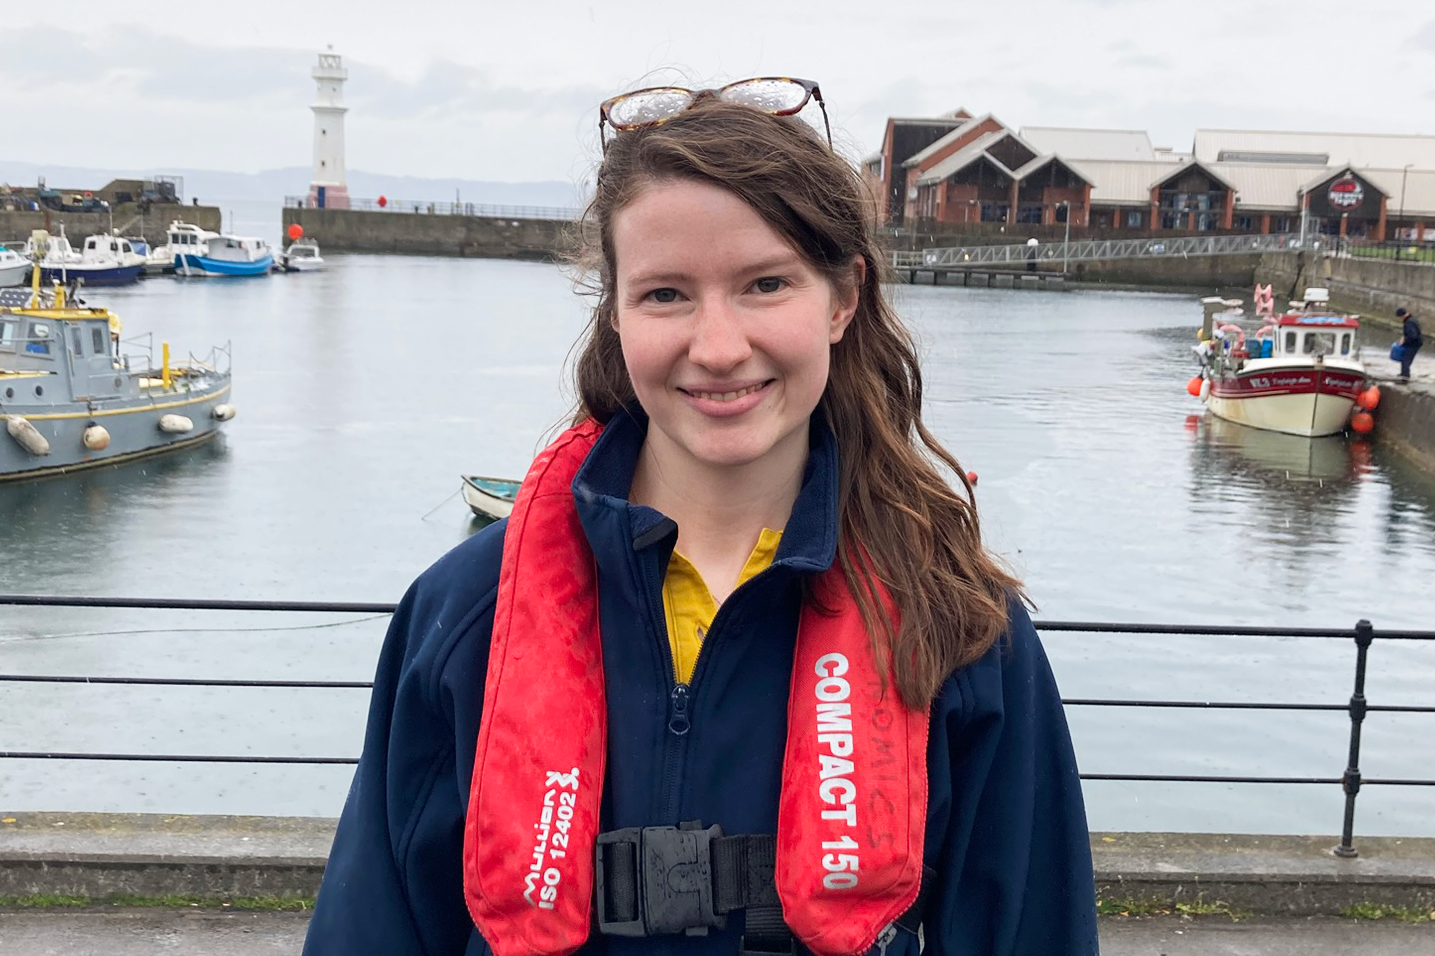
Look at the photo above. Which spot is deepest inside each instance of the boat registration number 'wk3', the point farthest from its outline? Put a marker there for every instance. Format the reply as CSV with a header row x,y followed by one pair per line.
x,y
551,838
835,786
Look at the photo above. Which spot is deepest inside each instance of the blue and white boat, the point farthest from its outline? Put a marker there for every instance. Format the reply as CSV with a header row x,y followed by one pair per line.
x,y
225,255
106,260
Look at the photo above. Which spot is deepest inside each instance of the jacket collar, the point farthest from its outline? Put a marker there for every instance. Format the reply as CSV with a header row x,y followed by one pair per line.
x,y
602,486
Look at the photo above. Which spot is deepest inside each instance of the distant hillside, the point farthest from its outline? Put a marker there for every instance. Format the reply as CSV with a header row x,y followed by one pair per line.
x,y
211,186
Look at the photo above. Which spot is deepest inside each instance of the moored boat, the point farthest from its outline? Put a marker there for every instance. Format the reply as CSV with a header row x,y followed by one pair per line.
x,y
490,498
14,268
1298,375
71,399
225,255
302,255
100,263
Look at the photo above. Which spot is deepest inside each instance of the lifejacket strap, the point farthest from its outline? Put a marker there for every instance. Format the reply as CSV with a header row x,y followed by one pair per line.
x,y
686,879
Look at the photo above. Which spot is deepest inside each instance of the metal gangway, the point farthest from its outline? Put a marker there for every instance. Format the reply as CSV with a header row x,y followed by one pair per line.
x,y
956,258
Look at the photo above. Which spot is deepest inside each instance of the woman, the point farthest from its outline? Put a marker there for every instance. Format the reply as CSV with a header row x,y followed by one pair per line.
x,y
738,673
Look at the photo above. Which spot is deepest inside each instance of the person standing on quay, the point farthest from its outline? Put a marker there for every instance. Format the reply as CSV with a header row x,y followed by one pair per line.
x,y
1410,341
738,673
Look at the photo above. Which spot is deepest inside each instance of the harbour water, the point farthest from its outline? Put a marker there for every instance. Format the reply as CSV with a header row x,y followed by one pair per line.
x,y
363,392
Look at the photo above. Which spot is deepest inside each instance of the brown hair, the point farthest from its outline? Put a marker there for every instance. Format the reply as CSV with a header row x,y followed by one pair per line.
x,y
899,520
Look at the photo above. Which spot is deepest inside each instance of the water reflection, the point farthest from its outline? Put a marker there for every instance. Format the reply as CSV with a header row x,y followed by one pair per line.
x,y
1271,459
100,506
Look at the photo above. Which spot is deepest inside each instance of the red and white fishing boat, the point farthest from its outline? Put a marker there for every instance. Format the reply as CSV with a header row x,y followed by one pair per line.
x,y
1298,374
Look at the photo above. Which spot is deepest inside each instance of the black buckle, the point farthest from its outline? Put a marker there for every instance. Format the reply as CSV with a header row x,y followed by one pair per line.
x,y
673,877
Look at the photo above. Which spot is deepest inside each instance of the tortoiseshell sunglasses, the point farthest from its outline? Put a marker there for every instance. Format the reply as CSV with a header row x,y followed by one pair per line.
x,y
777,95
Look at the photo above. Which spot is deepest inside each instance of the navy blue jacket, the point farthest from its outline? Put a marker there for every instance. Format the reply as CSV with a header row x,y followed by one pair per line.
x,y
1410,333
1006,830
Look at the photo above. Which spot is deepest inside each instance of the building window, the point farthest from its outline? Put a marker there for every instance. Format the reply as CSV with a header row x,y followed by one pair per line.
x,y
994,212
1134,219
1063,212
1245,223
1281,224
1029,213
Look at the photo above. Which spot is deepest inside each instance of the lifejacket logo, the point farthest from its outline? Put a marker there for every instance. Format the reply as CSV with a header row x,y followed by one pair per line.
x,y
551,841
835,786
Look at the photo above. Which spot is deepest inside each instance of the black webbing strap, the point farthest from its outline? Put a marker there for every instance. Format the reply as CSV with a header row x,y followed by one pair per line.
x,y
743,877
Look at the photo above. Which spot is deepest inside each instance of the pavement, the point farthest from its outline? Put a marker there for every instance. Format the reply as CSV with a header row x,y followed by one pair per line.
x,y
211,933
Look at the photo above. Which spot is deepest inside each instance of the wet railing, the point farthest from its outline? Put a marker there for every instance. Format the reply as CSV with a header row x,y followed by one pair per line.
x,y
428,208
1351,780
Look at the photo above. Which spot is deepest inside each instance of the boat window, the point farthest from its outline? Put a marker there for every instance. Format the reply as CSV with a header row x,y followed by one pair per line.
x,y
1290,342
97,339
1319,343
7,334
1345,344
77,345
38,339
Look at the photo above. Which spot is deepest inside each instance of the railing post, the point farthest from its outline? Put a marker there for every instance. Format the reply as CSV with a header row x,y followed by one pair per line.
x,y
1364,634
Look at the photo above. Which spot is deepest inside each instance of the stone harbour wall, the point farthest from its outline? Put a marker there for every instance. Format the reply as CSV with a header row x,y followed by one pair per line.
x,y
432,234
1372,287
16,226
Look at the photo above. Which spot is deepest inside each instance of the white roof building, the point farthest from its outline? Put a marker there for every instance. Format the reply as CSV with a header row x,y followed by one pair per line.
x,y
1103,144
1385,151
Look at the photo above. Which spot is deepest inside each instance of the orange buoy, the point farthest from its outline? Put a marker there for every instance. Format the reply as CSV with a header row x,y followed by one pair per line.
x,y
1362,423
1369,399
295,232
971,477
1193,387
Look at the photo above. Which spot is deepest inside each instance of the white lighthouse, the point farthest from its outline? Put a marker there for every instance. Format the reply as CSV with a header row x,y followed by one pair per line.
x,y
328,189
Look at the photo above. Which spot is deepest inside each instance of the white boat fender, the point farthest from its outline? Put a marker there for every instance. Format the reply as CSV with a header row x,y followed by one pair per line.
x,y
223,412
1205,388
27,435
175,424
96,438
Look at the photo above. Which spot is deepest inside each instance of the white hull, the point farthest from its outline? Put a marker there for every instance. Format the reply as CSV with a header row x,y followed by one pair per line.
x,y
1308,415
486,504
14,274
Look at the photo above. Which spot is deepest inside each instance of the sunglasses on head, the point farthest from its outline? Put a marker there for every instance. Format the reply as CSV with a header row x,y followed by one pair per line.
x,y
775,95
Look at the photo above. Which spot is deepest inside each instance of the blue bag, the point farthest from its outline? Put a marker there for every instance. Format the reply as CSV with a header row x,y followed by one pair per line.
x,y
1397,352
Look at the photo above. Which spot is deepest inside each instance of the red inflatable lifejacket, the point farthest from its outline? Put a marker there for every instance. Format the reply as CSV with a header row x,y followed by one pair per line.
x,y
853,806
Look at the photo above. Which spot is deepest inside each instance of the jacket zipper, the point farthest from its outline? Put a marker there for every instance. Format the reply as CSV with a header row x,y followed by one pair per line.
x,y
680,696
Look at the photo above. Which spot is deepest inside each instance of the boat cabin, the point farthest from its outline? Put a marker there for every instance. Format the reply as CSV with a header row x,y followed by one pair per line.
x,y
80,350
1323,335
106,248
186,237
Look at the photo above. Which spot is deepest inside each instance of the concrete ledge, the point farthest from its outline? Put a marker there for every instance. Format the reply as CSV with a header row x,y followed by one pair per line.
x,y
1273,875
101,856
153,855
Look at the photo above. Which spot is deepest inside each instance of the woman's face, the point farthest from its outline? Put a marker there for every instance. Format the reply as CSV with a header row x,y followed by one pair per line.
x,y
725,329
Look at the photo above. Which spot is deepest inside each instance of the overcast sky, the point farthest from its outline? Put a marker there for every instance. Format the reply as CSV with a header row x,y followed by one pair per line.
x,y
509,91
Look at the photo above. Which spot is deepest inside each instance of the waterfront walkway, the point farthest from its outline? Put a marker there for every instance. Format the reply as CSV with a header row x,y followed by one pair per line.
x,y
208,933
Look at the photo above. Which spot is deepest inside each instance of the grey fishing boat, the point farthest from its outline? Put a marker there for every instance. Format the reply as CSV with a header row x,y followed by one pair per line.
x,y
71,398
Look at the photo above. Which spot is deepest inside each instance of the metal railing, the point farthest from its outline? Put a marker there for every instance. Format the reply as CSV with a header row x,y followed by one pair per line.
x,y
428,208
1422,253
949,258
1351,780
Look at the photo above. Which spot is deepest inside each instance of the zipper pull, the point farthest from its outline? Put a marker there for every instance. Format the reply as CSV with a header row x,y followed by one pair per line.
x,y
885,940
678,721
